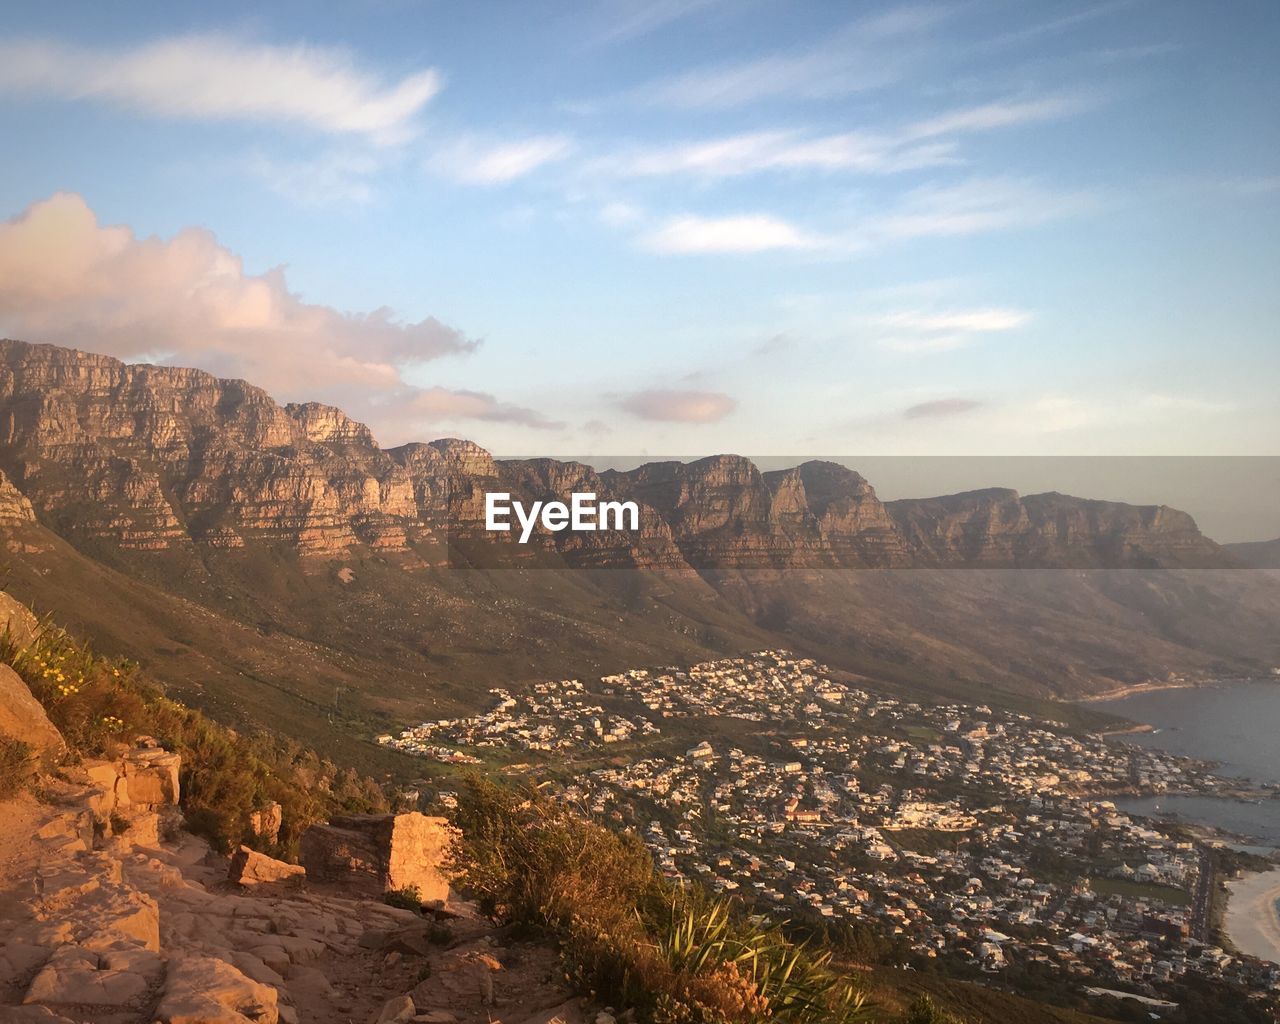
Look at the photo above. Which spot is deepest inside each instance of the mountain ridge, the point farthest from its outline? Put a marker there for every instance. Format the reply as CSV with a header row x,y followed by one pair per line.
x,y
279,565
154,457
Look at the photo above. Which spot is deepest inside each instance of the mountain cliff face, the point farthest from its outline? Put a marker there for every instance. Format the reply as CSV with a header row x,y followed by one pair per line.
x,y
154,458
1261,554
286,566
998,528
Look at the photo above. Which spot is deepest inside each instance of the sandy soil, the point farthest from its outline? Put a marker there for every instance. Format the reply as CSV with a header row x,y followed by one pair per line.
x,y
1253,917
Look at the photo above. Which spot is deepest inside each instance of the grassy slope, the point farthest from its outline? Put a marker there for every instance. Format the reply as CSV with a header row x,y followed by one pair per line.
x,y
272,639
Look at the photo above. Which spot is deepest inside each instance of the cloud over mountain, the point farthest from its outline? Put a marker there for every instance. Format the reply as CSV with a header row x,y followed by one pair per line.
x,y
67,279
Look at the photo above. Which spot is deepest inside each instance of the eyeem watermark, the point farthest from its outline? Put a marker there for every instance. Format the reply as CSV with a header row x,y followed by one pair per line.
x,y
583,514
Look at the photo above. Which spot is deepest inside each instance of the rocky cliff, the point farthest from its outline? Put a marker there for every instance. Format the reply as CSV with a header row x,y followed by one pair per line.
x,y
156,458
111,912
274,562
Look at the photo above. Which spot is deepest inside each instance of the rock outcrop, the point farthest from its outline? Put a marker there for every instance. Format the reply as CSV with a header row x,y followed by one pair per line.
x,y
22,717
998,528
15,508
99,926
379,853
251,868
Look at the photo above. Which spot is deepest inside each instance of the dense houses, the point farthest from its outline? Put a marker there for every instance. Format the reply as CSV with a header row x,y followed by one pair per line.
x,y
961,832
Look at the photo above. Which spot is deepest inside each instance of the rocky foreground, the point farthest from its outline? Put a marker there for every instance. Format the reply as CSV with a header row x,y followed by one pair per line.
x,y
112,914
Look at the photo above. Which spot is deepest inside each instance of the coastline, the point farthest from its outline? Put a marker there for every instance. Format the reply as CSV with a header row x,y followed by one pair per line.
x,y
1133,689
1253,915
1155,686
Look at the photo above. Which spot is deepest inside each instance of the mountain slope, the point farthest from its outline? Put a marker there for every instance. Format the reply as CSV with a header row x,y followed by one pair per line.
x,y
1260,554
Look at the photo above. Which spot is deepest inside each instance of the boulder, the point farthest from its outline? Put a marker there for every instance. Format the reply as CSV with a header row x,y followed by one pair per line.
x,y
17,621
251,868
87,986
394,1011
151,776
457,978
141,827
205,990
22,717
265,823
375,853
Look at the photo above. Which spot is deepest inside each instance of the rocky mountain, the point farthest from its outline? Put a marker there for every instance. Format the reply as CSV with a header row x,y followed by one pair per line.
x,y
1262,554
277,562
155,458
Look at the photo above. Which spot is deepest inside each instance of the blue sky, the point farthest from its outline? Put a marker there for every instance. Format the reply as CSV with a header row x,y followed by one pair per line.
x,y
672,227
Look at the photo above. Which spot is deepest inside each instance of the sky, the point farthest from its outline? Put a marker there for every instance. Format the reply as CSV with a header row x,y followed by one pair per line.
x,y
677,227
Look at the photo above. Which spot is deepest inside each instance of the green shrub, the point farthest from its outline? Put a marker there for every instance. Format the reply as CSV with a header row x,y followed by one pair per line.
x,y
17,763
98,702
407,898
672,953
923,1010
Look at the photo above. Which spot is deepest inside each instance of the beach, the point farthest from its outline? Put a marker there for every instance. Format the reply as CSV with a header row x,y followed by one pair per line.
x,y
1253,918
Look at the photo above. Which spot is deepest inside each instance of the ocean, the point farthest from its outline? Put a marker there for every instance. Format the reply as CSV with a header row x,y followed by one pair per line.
x,y
1236,724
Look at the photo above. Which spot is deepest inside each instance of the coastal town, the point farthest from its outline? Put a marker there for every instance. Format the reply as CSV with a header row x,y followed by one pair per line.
x,y
974,839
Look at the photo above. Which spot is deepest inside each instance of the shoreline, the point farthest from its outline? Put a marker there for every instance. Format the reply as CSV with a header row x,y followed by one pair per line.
x,y
1155,686
1252,920
1133,689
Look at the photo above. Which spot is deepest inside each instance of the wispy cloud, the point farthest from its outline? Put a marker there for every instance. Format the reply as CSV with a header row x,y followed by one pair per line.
x,y
944,330
1005,113
973,206
631,19
478,162
221,77
941,408
970,207
1055,26
678,406
868,54
437,405
961,320
929,142
746,233
753,152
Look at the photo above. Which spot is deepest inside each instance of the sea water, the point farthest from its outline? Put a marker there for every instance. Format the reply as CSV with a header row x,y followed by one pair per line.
x,y
1236,724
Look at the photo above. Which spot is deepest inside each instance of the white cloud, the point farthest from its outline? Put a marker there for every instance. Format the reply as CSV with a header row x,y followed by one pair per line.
x,y
868,54
972,207
919,331
752,152
746,233
66,279
959,320
931,142
220,77
1006,113
487,163
630,19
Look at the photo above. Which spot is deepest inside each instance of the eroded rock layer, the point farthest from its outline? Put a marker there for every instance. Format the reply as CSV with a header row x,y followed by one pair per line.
x,y
154,458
